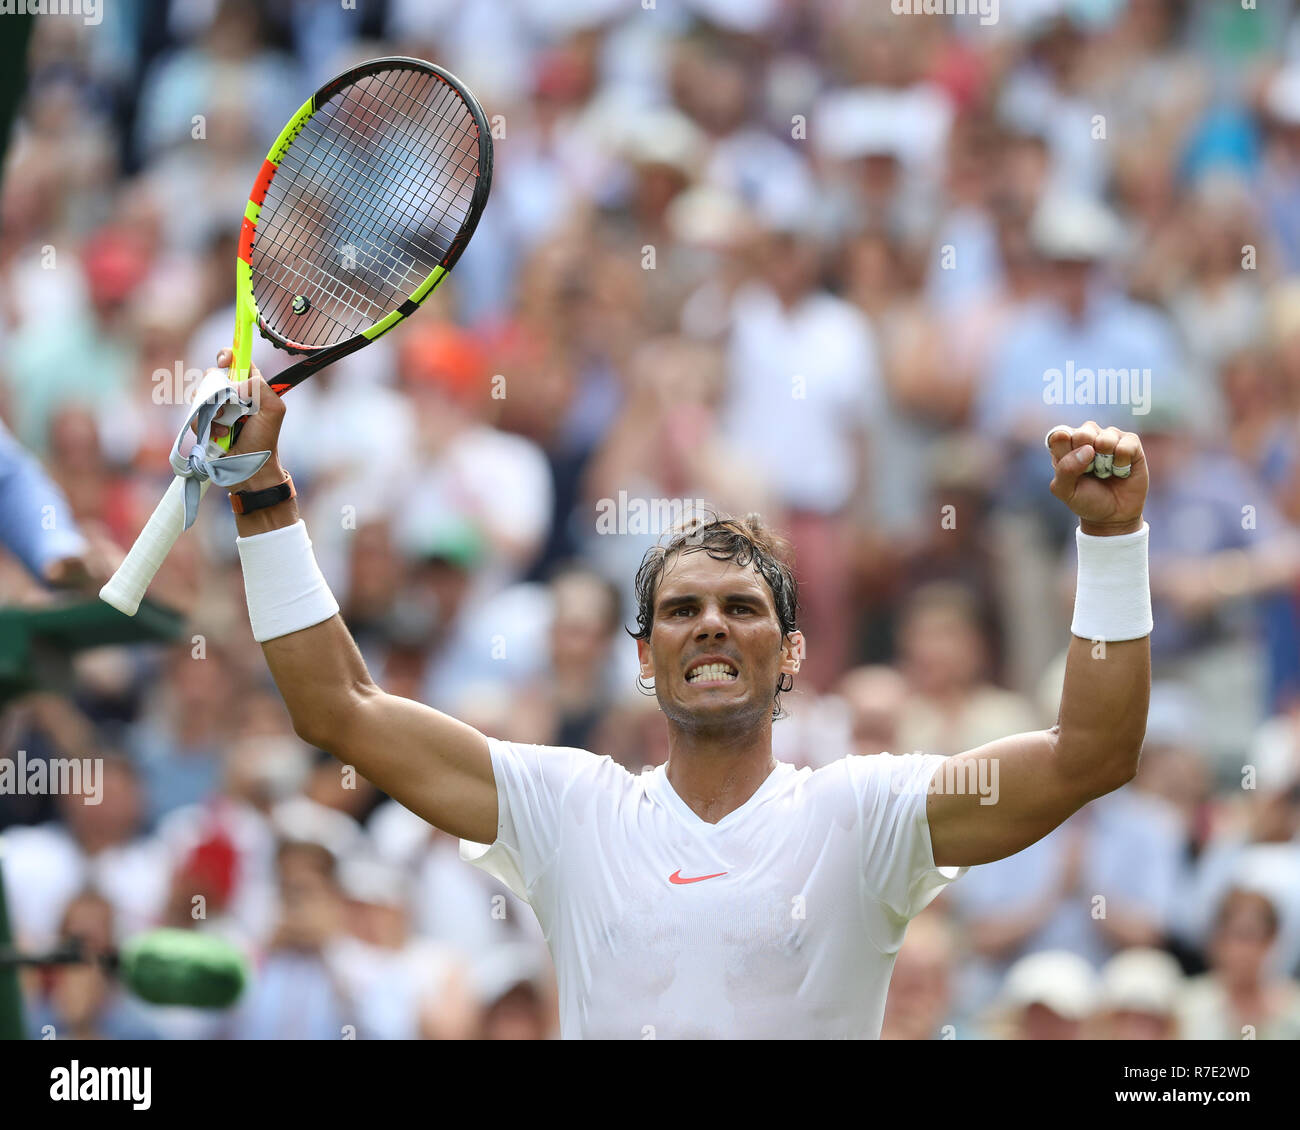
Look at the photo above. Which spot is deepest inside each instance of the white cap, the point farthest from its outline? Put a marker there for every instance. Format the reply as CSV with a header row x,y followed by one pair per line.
x,y
572,15
665,137
1282,97
1275,753
371,880
861,123
706,216
1063,981
1141,980
1074,228
737,15
789,205
503,966
301,820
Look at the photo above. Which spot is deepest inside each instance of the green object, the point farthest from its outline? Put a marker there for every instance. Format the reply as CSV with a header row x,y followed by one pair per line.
x,y
171,966
13,80
11,1001
37,644
13,71
36,649
454,540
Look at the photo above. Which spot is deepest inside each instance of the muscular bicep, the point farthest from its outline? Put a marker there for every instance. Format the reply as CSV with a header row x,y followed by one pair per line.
x,y
994,801
438,767
435,765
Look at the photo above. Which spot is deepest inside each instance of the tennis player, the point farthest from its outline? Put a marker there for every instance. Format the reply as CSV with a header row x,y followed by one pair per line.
x,y
723,894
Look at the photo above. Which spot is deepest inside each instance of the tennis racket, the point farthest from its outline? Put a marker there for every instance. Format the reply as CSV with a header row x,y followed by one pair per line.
x,y
364,203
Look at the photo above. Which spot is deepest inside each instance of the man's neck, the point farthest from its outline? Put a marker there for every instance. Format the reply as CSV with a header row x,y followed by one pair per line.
x,y
714,774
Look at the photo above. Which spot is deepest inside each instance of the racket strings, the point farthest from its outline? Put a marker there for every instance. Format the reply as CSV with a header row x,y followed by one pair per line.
x,y
437,162
368,199
369,253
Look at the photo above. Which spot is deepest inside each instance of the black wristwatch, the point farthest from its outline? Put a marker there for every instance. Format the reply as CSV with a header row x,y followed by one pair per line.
x,y
246,501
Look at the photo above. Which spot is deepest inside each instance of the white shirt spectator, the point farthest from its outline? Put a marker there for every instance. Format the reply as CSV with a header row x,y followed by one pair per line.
x,y
501,483
451,903
44,869
1121,827
802,383
1270,868
390,987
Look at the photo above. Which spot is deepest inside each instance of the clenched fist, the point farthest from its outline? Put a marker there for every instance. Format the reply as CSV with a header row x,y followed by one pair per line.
x,y
1105,505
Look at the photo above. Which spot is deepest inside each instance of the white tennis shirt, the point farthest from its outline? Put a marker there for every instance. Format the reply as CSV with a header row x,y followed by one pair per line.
x,y
782,920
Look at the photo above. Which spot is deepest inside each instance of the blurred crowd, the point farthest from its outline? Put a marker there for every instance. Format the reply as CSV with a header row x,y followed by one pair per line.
x,y
814,258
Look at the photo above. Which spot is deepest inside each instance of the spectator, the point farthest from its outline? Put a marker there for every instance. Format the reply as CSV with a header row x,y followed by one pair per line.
x,y
1139,991
295,995
876,699
96,846
1237,996
943,656
403,987
1047,996
1075,890
81,1001
919,1003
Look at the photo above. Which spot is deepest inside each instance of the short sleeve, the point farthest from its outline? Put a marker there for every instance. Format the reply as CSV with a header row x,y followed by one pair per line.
x,y
898,868
532,781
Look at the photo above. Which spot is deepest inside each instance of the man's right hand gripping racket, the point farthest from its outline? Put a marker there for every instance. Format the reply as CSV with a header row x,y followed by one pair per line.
x,y
364,203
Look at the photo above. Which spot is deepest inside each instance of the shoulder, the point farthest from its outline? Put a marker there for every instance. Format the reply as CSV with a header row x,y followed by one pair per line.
x,y
561,765
891,766
882,779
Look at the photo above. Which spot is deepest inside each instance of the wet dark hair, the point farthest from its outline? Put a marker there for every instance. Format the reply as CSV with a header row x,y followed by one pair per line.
x,y
746,541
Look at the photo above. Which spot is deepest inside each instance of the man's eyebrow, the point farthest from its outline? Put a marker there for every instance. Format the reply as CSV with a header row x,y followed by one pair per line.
x,y
668,603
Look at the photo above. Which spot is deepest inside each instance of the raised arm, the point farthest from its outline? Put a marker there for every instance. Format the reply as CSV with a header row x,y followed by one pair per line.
x,y
431,763
1041,778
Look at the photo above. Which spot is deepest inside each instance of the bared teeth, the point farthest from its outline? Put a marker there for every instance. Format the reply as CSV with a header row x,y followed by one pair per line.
x,y
707,672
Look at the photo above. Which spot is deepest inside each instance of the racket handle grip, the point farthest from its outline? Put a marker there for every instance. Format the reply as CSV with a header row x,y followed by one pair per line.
x,y
126,587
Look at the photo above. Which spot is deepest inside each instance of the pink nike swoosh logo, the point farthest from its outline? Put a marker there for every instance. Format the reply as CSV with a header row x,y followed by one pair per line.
x,y
678,878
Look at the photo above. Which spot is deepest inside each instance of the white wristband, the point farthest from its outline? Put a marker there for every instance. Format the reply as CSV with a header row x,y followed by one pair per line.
x,y
285,590
1112,600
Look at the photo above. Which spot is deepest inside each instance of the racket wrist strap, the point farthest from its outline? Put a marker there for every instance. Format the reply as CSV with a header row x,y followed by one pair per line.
x,y
1112,598
284,586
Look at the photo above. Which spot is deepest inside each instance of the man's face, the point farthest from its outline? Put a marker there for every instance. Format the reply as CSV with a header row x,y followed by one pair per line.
x,y
715,651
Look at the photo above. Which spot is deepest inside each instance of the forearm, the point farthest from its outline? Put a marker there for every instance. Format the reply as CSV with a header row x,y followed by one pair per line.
x,y
1104,707
438,767
319,671
1107,690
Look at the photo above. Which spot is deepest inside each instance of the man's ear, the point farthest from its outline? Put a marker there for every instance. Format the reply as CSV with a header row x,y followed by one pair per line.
x,y
645,660
793,653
